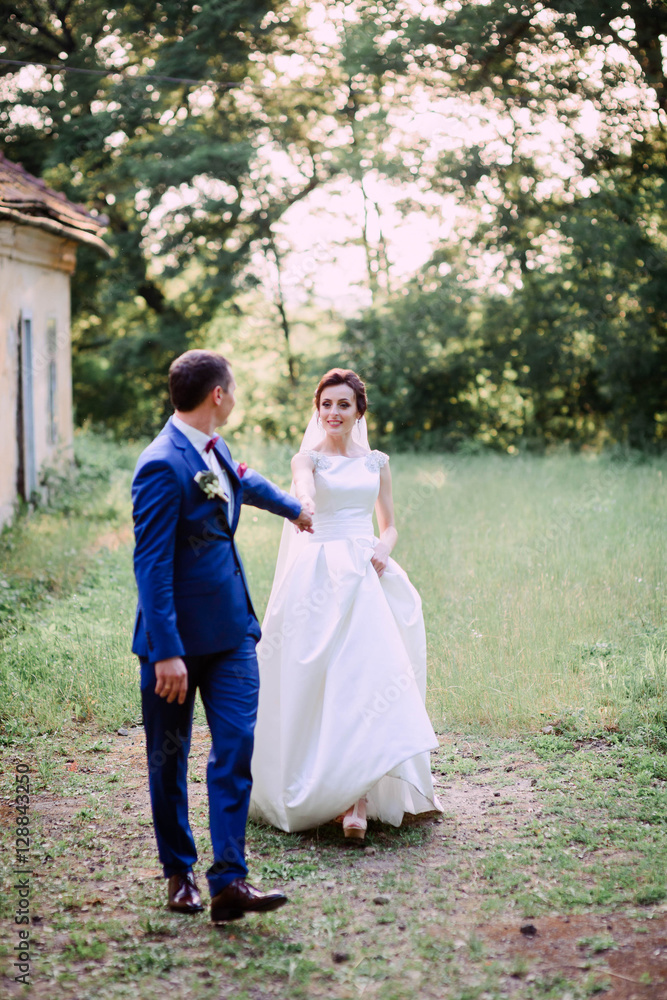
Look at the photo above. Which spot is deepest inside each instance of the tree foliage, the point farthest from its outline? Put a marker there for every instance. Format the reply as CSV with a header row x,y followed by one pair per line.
x,y
568,340
544,316
169,162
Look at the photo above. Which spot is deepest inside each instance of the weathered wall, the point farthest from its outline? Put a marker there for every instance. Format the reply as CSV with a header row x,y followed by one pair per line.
x,y
35,270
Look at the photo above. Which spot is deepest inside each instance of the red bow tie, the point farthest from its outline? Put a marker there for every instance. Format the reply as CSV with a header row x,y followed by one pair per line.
x,y
212,443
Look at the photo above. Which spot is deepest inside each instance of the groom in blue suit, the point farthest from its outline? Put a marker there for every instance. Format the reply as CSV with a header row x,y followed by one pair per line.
x,y
196,628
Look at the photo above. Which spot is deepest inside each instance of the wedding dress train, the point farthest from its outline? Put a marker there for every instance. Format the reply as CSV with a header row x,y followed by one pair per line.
x,y
342,670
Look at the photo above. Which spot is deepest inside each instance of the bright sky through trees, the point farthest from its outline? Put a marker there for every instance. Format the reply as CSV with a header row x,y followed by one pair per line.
x,y
324,228
483,182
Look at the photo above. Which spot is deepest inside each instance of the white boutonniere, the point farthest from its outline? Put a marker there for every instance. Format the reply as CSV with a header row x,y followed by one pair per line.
x,y
211,486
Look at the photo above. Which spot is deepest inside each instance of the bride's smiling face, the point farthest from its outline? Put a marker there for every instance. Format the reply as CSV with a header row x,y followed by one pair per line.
x,y
338,409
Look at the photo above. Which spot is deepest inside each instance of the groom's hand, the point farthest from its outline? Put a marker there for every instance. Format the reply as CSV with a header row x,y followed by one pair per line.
x,y
172,679
304,521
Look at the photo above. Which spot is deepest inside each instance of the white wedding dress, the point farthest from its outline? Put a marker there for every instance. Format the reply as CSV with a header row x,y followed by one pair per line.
x,y
342,670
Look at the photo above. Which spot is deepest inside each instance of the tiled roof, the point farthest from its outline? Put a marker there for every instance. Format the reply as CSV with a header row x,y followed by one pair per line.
x,y
28,201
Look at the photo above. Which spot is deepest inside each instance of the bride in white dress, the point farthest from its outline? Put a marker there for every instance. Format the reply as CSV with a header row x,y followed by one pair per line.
x,y
342,727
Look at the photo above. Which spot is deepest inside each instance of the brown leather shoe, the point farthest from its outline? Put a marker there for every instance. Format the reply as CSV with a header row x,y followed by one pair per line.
x,y
239,897
183,894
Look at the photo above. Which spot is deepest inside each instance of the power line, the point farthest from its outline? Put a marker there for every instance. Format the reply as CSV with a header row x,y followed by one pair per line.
x,y
224,84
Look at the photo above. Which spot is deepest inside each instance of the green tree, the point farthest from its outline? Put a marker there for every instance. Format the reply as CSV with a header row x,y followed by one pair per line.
x,y
566,195
170,162
561,173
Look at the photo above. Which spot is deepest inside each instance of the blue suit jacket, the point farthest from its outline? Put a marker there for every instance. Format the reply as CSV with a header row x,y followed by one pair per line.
x,y
193,593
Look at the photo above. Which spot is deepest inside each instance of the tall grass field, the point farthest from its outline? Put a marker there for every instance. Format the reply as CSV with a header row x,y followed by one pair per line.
x,y
542,581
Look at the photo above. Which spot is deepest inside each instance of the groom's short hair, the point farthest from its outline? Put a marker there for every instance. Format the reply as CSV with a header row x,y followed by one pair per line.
x,y
193,375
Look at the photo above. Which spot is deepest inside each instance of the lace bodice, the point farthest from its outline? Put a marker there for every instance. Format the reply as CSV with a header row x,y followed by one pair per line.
x,y
346,487
375,460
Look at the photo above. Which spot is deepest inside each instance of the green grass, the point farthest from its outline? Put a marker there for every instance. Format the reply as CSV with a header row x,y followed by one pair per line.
x,y
544,597
543,583
542,579
66,599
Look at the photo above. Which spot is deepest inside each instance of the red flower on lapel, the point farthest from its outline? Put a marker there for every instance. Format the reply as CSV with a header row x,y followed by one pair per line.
x,y
241,470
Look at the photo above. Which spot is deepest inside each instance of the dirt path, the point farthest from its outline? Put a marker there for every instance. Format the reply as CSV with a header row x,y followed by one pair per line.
x,y
503,897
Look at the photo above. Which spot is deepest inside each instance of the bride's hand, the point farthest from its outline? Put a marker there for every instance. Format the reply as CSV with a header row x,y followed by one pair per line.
x,y
304,521
307,504
380,558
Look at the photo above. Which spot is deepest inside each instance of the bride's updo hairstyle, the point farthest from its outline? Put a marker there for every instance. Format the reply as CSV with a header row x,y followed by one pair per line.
x,y
343,376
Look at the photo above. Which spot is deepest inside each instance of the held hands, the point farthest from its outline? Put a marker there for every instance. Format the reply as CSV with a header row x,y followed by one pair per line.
x,y
304,522
380,558
172,679
307,504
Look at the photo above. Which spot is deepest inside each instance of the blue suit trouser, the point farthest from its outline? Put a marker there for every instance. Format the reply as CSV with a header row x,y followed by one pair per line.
x,y
229,687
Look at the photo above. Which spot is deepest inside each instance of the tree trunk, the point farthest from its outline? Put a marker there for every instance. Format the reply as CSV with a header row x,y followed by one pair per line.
x,y
280,304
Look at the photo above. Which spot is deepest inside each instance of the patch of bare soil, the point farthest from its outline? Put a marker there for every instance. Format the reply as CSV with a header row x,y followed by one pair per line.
x,y
634,967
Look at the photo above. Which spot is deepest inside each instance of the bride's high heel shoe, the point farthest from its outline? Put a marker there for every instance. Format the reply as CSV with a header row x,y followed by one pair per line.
x,y
354,821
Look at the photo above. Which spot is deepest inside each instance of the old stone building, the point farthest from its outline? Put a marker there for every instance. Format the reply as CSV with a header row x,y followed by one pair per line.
x,y
39,233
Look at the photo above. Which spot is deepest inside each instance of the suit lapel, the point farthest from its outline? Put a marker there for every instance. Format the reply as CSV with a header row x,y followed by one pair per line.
x,y
196,463
225,460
